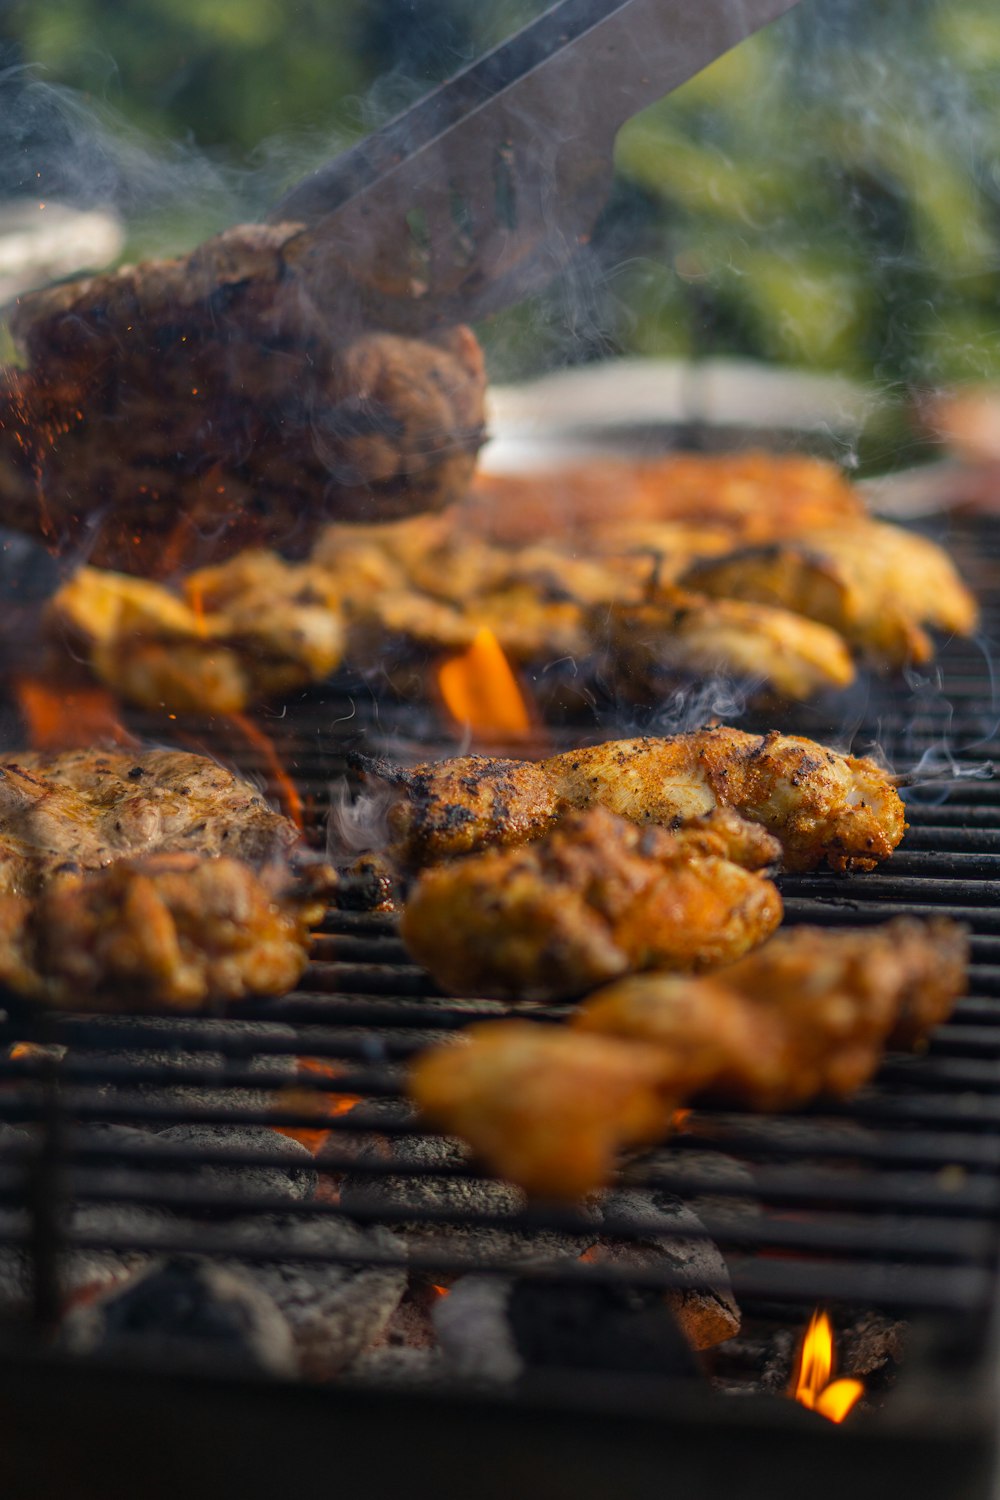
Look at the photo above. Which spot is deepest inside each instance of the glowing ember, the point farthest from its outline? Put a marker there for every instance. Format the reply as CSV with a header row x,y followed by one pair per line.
x,y
812,1386
57,717
288,794
479,689
439,1291
310,1102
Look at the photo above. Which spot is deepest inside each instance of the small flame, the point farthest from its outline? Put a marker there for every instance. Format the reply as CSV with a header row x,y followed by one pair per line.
x,y
440,1291
61,718
479,689
812,1387
288,793
309,1102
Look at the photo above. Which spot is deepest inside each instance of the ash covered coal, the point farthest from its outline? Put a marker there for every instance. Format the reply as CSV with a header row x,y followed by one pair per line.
x,y
292,1175
172,1056
334,1309
179,410
180,1312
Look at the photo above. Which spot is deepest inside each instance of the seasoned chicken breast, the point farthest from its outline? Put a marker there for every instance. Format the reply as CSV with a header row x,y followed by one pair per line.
x,y
821,806
85,809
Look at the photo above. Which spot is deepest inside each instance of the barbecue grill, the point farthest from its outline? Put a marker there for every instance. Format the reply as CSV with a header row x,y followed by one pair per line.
x,y
882,1209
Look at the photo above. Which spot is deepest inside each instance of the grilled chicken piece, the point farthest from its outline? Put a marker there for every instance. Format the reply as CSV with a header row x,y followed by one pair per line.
x,y
678,631
545,1107
463,805
876,584
202,405
165,931
84,809
249,629
820,805
810,1013
593,898
747,497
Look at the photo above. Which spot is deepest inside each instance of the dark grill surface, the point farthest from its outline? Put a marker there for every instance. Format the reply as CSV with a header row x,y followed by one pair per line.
x,y
887,1202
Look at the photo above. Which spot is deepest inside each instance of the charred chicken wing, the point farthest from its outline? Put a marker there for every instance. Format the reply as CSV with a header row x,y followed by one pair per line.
x,y
593,898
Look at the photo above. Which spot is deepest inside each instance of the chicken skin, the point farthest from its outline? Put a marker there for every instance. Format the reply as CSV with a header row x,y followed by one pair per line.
x,y
821,806
592,899
544,1107
162,932
809,1014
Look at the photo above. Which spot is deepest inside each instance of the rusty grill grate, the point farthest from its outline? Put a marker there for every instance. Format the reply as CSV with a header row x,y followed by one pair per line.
x,y
887,1202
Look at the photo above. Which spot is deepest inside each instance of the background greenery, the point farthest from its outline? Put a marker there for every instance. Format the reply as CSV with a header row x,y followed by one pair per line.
x,y
827,195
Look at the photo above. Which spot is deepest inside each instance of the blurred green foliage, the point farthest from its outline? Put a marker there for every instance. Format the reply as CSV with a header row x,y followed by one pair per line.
x,y
825,195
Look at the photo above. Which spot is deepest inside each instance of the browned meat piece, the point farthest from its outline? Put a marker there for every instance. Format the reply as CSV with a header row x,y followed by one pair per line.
x,y
544,1107
820,805
167,931
810,1013
751,496
594,898
254,627
691,634
463,805
878,585
84,809
179,410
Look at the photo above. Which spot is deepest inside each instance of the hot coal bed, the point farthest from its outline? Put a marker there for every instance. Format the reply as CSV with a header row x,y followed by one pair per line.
x,y
250,1313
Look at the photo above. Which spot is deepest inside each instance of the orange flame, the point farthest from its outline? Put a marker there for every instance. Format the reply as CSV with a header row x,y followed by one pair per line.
x,y
309,1102
812,1386
479,689
61,718
288,793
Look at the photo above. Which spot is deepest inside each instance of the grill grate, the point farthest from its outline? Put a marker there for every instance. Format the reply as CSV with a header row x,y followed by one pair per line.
x,y
889,1201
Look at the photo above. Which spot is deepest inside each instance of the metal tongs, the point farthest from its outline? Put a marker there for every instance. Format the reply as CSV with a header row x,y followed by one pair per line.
x,y
486,188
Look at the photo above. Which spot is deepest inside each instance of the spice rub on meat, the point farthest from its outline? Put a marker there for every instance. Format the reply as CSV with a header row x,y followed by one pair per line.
x,y
809,1014
593,898
204,404
821,806
138,879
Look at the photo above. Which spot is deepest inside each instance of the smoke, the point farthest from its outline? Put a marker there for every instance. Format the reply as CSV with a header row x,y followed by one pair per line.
x,y
358,821
64,147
